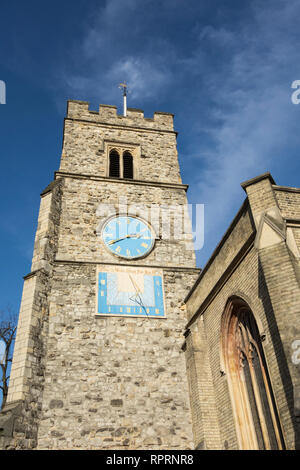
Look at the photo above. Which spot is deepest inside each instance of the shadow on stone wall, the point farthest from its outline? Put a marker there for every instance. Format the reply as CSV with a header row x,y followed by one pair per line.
x,y
280,353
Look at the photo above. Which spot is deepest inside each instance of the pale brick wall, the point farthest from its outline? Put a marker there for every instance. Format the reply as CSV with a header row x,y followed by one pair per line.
x,y
203,405
267,278
288,200
247,282
240,230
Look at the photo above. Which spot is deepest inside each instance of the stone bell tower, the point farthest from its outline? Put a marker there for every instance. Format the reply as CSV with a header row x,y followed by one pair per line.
x,y
98,361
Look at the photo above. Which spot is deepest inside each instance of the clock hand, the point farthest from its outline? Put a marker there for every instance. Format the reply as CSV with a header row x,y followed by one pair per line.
x,y
111,242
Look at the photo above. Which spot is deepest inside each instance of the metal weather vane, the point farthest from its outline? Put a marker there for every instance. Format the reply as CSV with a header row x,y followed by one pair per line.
x,y
123,86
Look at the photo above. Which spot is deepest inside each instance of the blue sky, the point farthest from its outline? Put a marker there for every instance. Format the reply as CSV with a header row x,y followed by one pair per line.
x,y
224,69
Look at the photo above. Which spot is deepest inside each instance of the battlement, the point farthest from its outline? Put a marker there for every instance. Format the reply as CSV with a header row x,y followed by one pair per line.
x,y
108,114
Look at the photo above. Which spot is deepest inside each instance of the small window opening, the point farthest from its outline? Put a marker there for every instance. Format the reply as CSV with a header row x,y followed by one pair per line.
x,y
127,165
114,164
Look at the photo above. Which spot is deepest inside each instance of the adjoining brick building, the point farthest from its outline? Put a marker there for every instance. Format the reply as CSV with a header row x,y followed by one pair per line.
x,y
242,337
115,349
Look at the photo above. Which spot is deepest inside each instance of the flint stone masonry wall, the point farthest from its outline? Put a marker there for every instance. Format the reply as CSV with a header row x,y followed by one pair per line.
x,y
87,204
91,382
113,382
107,115
86,134
20,419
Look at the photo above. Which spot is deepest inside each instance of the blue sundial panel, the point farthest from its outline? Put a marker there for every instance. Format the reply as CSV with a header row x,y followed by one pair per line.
x,y
130,294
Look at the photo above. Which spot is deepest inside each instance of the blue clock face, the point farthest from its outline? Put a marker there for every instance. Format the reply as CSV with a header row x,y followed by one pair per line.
x,y
128,237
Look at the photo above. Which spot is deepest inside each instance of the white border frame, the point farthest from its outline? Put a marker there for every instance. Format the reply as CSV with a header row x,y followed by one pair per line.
x,y
105,268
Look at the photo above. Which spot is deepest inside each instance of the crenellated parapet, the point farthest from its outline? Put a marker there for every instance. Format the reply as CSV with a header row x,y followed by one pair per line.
x,y
108,114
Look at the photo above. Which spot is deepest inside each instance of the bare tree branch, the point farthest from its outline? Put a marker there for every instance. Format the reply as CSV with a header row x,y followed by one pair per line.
x,y
8,327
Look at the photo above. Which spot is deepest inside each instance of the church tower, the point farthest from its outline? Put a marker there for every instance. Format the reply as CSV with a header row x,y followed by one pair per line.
x,y
98,360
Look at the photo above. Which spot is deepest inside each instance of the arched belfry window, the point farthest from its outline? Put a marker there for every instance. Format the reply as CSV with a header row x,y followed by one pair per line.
x,y
127,165
120,163
114,164
256,417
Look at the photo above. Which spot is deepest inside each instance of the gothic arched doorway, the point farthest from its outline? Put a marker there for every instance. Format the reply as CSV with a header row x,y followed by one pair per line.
x,y
256,416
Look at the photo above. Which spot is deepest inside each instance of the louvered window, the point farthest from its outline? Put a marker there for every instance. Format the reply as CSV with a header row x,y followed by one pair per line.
x,y
120,164
127,165
114,164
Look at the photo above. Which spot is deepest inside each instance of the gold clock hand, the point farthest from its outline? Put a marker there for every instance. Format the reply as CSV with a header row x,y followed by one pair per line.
x,y
139,235
111,242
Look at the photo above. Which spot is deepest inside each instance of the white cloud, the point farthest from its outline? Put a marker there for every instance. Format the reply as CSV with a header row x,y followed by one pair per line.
x,y
144,79
252,114
115,49
242,68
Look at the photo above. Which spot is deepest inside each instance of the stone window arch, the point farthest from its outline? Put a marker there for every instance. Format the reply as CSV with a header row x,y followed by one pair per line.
x,y
256,417
127,165
114,164
121,163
